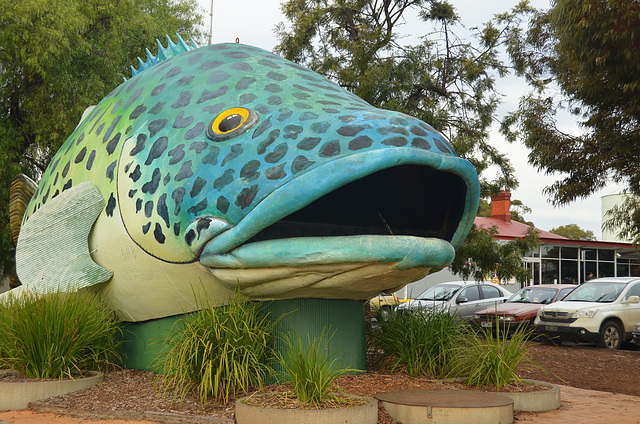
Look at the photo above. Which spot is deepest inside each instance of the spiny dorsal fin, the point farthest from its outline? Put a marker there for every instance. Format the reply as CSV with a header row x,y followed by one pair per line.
x,y
164,53
20,193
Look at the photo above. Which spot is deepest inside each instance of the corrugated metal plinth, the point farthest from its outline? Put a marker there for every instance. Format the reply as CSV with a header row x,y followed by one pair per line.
x,y
447,407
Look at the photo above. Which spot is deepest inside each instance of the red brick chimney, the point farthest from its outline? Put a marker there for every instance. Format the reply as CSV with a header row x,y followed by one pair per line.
x,y
500,204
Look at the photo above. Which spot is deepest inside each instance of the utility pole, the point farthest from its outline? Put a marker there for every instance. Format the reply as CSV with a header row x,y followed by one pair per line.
x,y
211,23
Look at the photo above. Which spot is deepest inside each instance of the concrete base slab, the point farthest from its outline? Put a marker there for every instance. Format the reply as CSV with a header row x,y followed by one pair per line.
x,y
18,394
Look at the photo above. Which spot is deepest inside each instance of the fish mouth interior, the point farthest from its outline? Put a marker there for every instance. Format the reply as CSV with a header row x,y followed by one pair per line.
x,y
407,200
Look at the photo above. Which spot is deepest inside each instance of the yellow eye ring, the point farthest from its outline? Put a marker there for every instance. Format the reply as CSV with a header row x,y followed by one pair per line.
x,y
230,123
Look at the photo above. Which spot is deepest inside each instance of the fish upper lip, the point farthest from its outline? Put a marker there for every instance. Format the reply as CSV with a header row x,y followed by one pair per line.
x,y
295,195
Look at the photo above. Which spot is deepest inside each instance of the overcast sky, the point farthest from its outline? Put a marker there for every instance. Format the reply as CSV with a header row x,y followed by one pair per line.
x,y
253,22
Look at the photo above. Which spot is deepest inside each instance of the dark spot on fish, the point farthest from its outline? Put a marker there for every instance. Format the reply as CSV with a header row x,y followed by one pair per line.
x,y
235,54
236,150
162,210
148,208
198,184
418,131
111,169
276,76
302,87
330,110
142,138
181,121
222,204
275,172
274,101
217,77
177,196
215,109
158,234
55,181
328,102
244,83
157,108
269,63
132,84
421,143
151,186
89,163
176,229
360,142
156,126
241,66
351,130
292,131
306,116
195,131
158,148
202,205
309,143
225,179
158,89
393,130
198,146
185,171
138,205
300,163
183,100
67,185
189,237
113,143
249,171
133,98
166,179
172,72
301,96
210,64
136,174
208,95
132,193
320,127
186,80
330,149
99,129
80,156
246,196
301,105
55,194
395,141
265,125
247,98
176,154
399,121
347,118
273,88
111,128
202,224
211,158
442,146
277,154
145,228
273,135
284,114
111,205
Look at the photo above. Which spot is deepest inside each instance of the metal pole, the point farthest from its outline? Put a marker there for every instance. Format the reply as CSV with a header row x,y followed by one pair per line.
x,y
211,23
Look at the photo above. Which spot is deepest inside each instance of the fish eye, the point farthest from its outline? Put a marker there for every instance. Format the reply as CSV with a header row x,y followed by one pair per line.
x,y
230,123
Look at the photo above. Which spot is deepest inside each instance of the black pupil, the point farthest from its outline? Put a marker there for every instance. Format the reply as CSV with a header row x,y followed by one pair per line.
x,y
230,123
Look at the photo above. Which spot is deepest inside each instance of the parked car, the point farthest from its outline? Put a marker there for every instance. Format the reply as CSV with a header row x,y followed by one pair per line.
x,y
636,333
383,301
460,297
521,308
603,310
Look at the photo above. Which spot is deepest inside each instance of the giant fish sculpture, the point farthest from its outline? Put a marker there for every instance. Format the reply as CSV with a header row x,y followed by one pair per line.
x,y
227,169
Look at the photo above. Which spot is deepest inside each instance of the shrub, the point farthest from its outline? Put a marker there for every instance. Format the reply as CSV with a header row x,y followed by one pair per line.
x,y
423,342
310,370
217,351
54,335
491,360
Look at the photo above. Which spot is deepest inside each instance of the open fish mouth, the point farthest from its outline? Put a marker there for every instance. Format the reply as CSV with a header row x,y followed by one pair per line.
x,y
397,207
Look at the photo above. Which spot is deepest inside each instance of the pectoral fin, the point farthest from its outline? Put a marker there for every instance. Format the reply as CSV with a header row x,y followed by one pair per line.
x,y
53,251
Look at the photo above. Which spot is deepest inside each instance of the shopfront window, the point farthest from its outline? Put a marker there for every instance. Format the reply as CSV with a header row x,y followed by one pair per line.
x,y
550,271
569,271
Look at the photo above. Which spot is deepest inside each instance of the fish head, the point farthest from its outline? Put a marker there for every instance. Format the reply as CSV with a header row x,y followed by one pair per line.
x,y
250,164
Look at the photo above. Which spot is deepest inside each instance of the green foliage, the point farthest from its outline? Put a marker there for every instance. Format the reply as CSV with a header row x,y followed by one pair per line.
x,y
573,232
310,370
423,343
56,335
482,253
491,360
217,351
442,79
57,57
590,50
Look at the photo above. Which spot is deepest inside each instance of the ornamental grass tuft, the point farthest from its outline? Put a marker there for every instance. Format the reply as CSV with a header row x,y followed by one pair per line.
x,y
55,335
217,351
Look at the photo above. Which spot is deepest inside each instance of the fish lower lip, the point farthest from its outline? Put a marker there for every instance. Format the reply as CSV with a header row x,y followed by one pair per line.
x,y
408,251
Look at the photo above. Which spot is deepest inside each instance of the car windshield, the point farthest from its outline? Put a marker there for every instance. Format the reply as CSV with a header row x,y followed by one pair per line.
x,y
444,292
533,295
604,292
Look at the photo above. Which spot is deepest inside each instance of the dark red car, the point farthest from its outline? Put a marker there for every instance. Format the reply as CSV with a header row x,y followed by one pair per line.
x,y
522,307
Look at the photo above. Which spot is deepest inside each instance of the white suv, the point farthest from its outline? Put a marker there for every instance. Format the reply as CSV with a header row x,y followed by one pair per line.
x,y
604,311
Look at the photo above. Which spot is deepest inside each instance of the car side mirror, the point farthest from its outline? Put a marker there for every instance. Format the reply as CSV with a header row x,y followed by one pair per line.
x,y
462,300
632,299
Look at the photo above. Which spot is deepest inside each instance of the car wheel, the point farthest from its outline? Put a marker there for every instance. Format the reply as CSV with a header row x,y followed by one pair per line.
x,y
610,335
